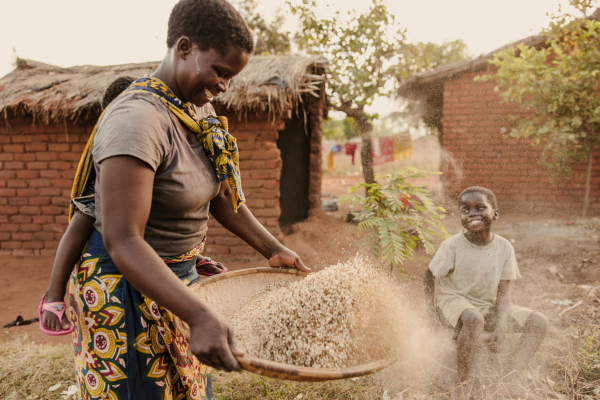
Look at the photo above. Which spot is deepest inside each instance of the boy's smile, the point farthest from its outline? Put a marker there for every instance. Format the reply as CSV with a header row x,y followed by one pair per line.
x,y
477,214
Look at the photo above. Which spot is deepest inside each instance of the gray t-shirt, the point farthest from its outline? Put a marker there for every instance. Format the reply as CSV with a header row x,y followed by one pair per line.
x,y
473,272
138,125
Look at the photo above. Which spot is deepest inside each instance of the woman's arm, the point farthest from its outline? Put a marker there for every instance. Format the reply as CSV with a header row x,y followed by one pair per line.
x,y
244,225
126,196
69,249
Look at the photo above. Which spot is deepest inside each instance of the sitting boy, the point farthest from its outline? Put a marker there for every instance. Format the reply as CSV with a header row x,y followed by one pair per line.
x,y
475,269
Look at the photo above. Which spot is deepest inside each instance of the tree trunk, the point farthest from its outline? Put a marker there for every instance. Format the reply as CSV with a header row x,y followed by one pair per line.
x,y
365,153
588,181
365,127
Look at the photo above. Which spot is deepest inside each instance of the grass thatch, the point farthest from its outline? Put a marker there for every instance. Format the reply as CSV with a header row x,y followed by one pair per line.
x,y
268,85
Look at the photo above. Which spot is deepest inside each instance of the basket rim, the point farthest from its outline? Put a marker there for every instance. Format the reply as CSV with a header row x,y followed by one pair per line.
x,y
247,271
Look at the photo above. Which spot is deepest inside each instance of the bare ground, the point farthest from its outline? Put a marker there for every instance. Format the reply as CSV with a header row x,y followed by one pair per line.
x,y
559,260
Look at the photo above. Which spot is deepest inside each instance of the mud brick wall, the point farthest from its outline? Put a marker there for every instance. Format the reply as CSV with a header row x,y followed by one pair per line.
x,y
476,127
38,163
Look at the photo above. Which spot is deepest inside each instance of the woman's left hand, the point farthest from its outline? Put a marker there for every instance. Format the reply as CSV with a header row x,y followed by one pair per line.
x,y
287,258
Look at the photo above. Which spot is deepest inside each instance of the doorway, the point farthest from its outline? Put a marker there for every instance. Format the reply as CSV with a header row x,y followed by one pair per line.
x,y
294,144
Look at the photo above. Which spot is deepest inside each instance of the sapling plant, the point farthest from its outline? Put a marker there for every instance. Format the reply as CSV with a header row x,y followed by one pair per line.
x,y
395,216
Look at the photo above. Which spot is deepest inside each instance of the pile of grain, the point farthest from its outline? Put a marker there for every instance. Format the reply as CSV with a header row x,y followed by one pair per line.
x,y
341,316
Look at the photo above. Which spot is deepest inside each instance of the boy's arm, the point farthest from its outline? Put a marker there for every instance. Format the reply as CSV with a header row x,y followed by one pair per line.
x,y
502,304
429,288
69,249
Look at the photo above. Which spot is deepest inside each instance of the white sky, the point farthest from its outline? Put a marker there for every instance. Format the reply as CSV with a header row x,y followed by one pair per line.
x,y
75,32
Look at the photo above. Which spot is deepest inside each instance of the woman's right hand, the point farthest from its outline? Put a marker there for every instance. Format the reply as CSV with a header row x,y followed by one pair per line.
x,y
213,343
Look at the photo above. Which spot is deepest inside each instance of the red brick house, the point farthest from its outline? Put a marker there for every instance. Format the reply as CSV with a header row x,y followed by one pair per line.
x,y
477,149
275,109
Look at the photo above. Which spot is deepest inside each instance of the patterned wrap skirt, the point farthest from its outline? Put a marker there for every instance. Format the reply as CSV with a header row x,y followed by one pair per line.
x,y
126,345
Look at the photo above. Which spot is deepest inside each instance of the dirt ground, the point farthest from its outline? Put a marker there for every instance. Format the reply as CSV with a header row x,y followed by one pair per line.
x,y
559,260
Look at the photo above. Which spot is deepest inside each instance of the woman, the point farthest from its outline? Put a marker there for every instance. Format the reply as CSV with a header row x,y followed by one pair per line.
x,y
155,185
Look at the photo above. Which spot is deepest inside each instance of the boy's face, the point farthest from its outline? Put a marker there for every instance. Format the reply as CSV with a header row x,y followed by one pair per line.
x,y
476,212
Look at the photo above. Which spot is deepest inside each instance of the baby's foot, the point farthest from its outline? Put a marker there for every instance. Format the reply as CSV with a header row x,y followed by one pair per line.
x,y
207,265
51,321
212,268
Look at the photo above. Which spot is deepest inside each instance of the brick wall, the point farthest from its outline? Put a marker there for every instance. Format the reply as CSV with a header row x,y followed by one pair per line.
x,y
476,124
38,163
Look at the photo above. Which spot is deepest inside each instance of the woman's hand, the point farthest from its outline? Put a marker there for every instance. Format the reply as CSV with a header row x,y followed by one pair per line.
x,y
213,343
287,258
245,226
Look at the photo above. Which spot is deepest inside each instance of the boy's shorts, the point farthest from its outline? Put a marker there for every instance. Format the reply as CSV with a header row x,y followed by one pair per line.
x,y
451,308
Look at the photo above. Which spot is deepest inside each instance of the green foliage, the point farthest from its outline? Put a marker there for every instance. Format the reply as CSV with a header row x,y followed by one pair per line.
x,y
333,129
395,216
338,129
351,129
559,84
422,57
361,51
415,58
270,37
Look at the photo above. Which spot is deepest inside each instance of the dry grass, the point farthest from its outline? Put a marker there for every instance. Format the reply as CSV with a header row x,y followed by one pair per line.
x,y
250,386
570,357
28,370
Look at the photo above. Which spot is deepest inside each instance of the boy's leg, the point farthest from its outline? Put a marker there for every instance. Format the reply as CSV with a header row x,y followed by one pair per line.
x,y
530,341
472,326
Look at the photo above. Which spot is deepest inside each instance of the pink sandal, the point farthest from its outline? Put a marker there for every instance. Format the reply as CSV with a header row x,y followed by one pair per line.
x,y
57,308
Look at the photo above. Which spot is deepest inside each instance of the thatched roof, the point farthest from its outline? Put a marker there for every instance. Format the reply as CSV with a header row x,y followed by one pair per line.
x,y
268,85
428,87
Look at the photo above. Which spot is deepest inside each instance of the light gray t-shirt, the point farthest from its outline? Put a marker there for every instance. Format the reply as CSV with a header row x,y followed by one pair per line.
x,y
138,125
473,272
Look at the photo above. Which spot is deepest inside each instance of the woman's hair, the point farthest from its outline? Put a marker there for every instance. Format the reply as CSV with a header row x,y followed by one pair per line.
x,y
115,89
491,197
210,24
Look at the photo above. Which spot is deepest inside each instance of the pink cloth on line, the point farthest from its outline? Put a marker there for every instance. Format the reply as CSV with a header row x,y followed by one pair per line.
x,y
351,150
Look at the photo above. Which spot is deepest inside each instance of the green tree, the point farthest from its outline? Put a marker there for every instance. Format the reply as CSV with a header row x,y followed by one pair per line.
x,y
270,37
395,216
362,50
351,129
419,57
559,84
333,129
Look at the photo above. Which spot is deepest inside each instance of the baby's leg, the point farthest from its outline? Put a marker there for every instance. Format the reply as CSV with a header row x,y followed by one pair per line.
x,y
472,326
529,343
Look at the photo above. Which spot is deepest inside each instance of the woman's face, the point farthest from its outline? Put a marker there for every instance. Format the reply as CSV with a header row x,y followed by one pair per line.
x,y
203,75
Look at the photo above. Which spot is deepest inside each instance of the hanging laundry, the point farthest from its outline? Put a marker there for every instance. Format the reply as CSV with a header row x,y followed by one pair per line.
x,y
391,148
351,150
330,166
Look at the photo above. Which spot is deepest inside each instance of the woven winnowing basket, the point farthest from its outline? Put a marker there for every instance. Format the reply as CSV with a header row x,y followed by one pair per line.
x,y
226,293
